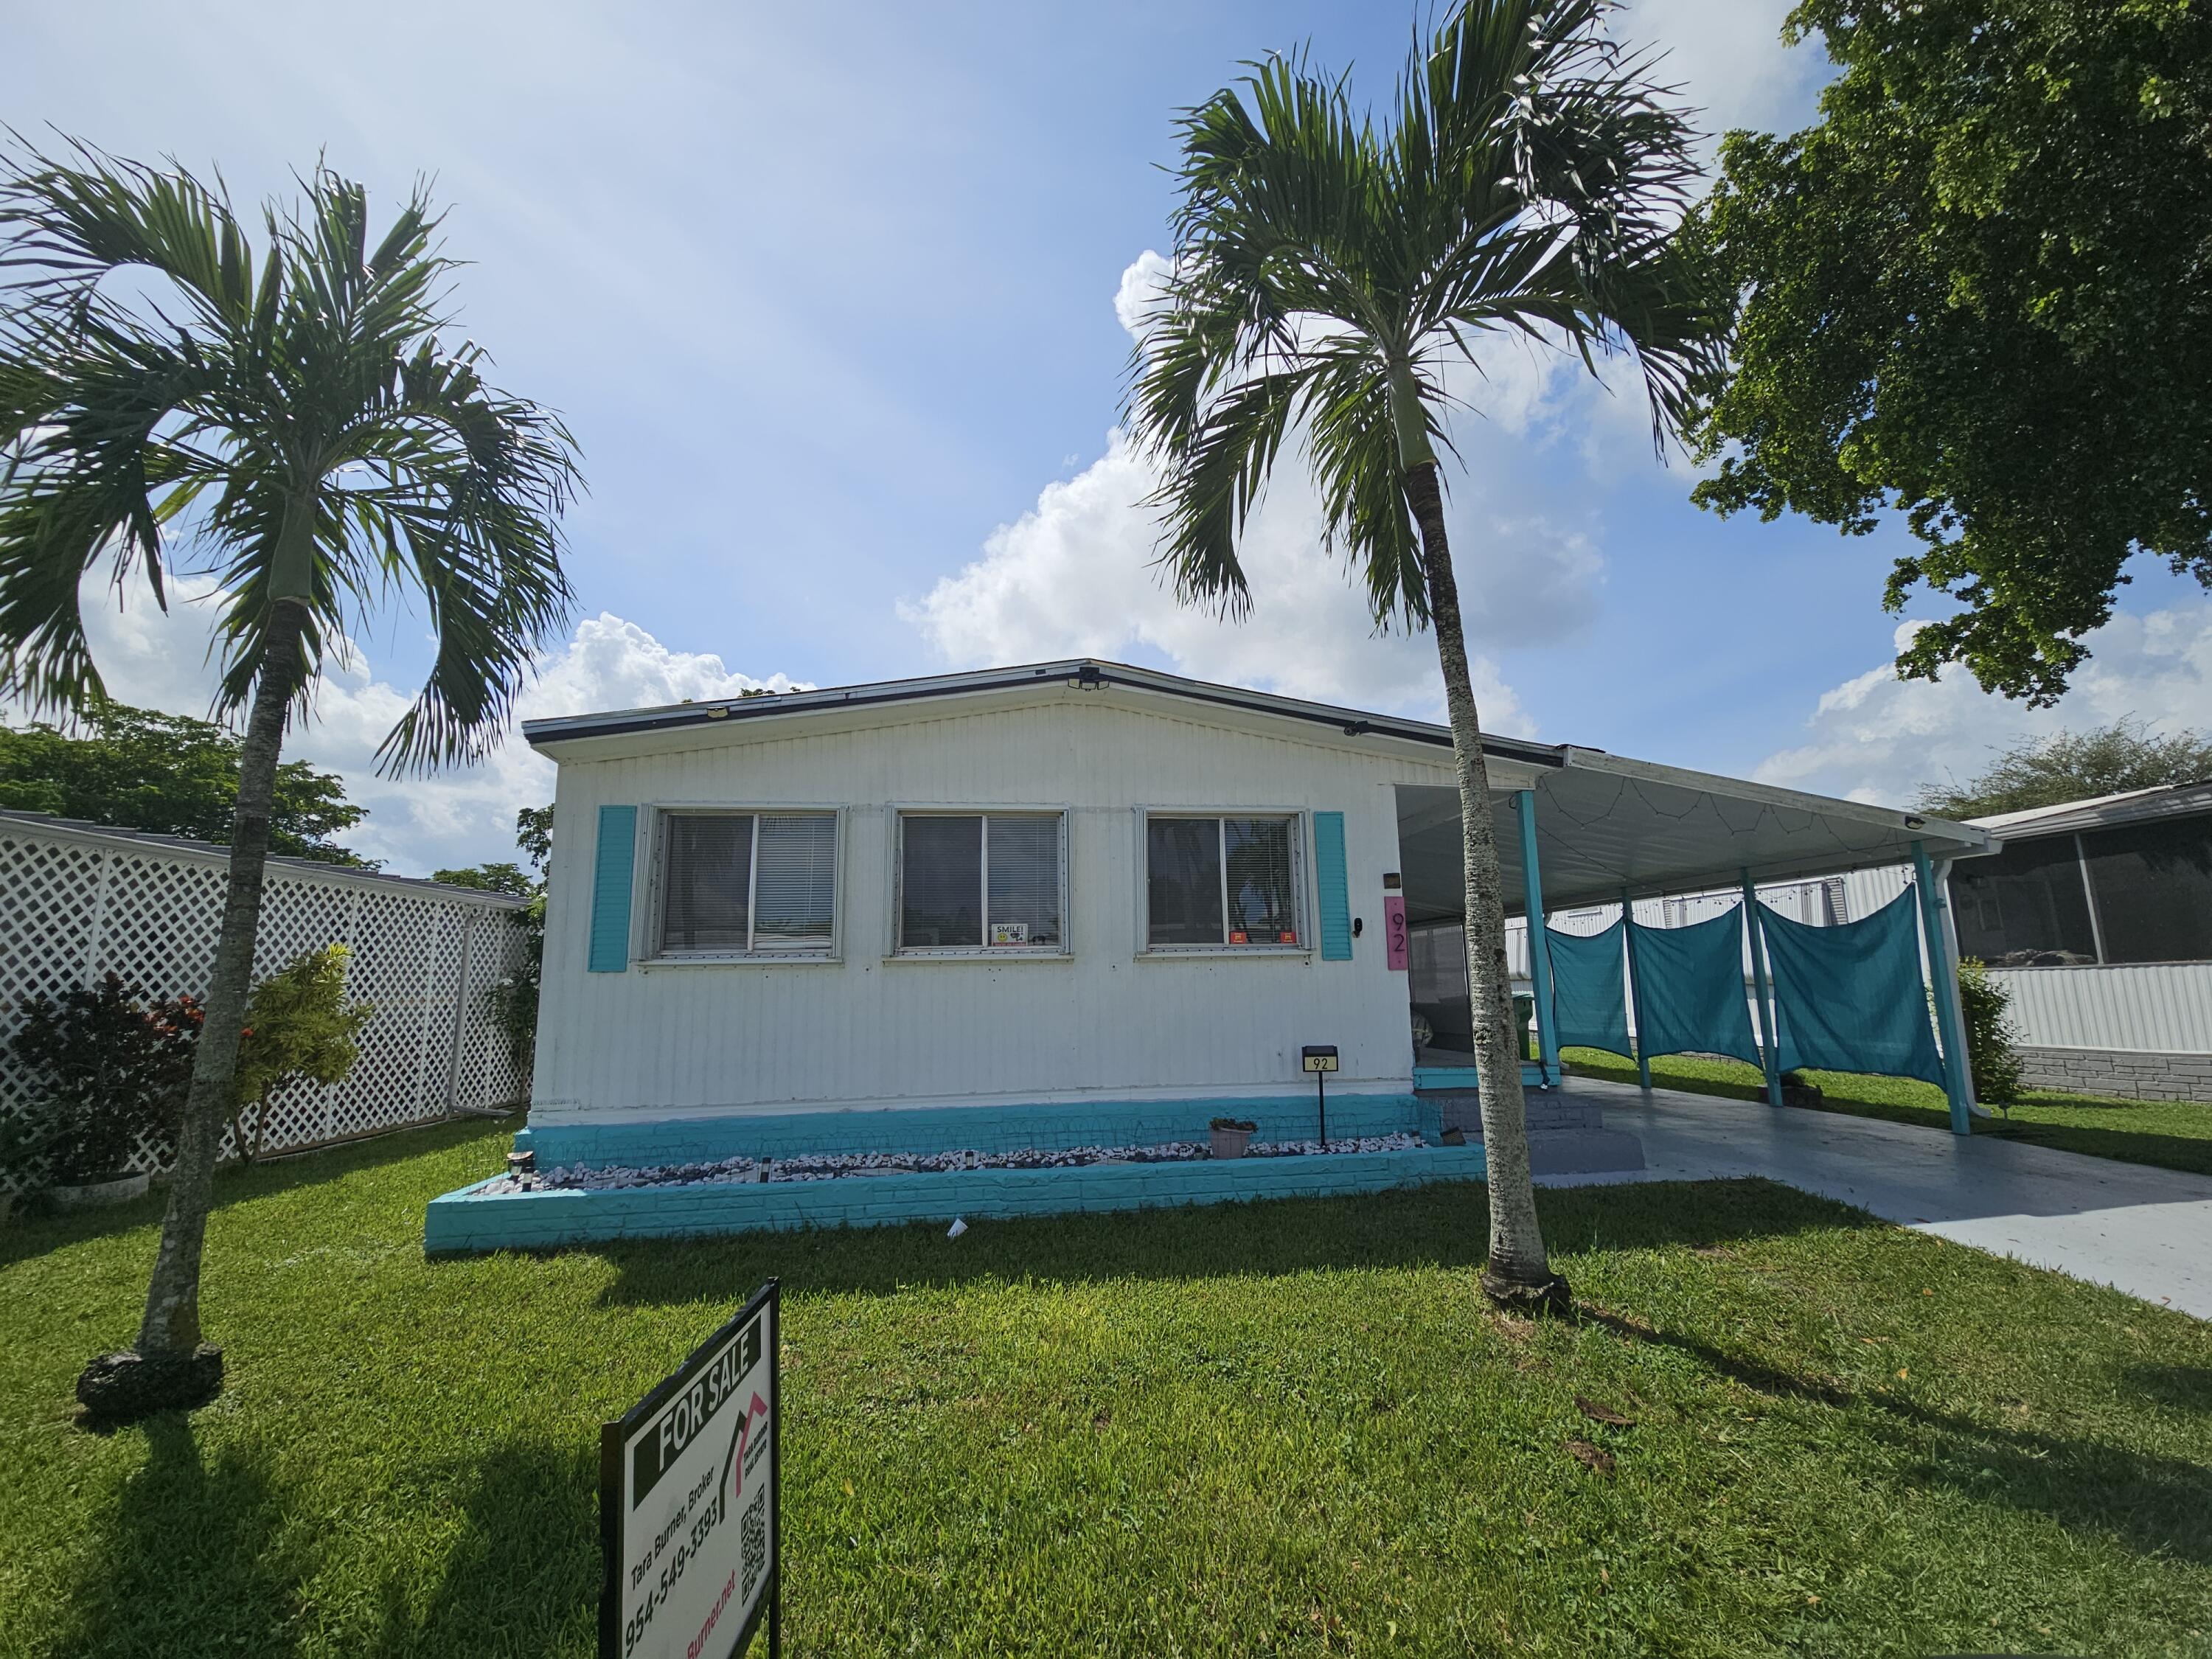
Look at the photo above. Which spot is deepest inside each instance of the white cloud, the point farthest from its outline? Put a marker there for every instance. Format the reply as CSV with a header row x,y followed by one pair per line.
x,y
1728,58
1876,737
1075,574
1141,292
461,816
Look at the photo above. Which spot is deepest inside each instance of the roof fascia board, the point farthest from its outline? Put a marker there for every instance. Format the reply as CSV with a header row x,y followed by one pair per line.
x,y
607,735
2136,806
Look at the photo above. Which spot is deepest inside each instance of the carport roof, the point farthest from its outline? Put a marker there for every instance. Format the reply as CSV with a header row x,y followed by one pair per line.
x,y
1605,823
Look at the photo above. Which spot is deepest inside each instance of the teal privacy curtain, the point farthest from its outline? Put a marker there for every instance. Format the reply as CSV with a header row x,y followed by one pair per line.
x,y
1588,1010
1851,997
1690,982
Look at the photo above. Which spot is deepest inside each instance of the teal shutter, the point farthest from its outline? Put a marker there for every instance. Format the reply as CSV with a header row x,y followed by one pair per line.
x,y
610,884
1335,901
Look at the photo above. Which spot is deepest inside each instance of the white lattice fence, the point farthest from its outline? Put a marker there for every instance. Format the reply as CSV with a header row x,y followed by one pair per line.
x,y
76,903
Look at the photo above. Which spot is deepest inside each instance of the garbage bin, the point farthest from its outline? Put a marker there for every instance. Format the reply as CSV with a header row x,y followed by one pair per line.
x,y
1524,1011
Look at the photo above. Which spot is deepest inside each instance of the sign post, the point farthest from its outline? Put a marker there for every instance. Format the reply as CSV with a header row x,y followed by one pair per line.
x,y
691,1494
1320,1059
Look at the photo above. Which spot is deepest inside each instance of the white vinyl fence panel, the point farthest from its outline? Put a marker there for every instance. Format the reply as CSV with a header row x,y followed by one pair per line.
x,y
78,902
2158,1008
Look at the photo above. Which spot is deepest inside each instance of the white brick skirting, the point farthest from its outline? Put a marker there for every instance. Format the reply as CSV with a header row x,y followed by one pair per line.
x,y
2133,1073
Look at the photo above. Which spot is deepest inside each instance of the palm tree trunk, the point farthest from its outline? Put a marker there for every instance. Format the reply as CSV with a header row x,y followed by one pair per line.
x,y
1518,1273
171,1324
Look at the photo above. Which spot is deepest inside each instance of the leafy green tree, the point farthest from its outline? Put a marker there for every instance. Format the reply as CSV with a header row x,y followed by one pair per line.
x,y
533,834
137,768
489,879
295,415
2108,760
1324,274
1976,293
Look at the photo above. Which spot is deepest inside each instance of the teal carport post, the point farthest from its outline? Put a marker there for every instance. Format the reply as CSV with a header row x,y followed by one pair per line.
x,y
1540,955
1943,982
1770,1043
1635,990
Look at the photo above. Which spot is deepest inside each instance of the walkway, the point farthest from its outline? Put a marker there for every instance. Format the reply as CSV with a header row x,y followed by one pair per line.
x,y
2143,1230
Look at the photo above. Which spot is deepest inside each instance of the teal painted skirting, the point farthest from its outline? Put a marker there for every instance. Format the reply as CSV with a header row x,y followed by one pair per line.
x,y
611,869
953,1128
470,1221
1464,1077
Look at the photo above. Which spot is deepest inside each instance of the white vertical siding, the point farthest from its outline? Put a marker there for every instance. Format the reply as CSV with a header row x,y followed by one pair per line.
x,y
1103,1022
2162,1007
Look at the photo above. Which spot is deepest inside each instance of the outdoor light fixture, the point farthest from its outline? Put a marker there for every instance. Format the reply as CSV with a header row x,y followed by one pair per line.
x,y
1320,1059
1913,822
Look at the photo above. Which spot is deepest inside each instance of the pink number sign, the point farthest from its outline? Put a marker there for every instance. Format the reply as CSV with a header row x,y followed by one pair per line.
x,y
1395,938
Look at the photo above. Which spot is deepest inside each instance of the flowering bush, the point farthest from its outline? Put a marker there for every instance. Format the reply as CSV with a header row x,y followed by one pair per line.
x,y
109,1067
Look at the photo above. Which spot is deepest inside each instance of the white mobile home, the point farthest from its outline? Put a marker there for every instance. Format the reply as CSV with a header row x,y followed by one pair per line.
x,y
1063,888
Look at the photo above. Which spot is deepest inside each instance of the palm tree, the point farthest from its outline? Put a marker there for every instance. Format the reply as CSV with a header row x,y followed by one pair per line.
x,y
303,426
1324,275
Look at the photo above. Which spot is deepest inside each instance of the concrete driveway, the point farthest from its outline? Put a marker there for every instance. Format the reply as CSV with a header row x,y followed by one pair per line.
x,y
2142,1231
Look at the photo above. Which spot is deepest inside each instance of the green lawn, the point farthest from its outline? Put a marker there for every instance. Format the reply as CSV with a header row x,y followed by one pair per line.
x,y
1290,1428
2173,1134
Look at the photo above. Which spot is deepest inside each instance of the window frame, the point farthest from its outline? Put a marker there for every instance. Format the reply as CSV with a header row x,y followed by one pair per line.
x,y
1305,904
896,950
662,815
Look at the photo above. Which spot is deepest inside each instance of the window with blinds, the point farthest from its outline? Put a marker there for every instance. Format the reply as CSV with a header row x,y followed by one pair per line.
x,y
985,882
748,884
1230,883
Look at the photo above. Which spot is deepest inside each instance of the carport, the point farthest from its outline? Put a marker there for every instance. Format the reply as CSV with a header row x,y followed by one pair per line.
x,y
1595,828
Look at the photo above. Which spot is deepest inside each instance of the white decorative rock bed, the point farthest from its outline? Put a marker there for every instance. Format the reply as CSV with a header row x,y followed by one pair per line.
x,y
831,1166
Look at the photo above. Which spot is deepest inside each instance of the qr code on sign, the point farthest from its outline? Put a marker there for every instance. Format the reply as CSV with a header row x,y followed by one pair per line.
x,y
753,1535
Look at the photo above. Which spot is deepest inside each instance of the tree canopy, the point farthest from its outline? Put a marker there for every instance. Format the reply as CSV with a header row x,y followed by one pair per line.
x,y
137,768
2108,760
1979,292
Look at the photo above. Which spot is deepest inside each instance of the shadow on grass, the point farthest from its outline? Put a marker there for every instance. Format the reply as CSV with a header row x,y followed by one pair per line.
x,y
524,1578
2190,1154
32,1235
187,1559
1441,1226
2150,1503
2189,1387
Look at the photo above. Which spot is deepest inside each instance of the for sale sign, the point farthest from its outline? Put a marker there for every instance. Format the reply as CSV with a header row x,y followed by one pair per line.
x,y
687,1502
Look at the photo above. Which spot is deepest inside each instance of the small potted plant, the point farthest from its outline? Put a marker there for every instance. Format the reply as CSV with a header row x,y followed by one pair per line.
x,y
1798,1090
1228,1136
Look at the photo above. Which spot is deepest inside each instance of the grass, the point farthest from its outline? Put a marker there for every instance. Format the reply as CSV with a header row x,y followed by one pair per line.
x,y
2173,1134
1287,1428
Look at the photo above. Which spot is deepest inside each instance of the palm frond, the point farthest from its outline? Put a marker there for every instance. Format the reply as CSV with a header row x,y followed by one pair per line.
x,y
305,426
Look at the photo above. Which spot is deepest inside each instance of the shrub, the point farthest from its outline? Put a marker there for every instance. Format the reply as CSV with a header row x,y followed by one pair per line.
x,y
1990,1034
299,1028
109,1067
514,996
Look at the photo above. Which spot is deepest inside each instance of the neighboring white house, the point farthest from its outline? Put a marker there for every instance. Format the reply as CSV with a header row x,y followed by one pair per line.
x,y
1059,884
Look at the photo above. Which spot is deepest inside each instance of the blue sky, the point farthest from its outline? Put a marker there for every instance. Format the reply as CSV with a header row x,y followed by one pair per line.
x,y
835,300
